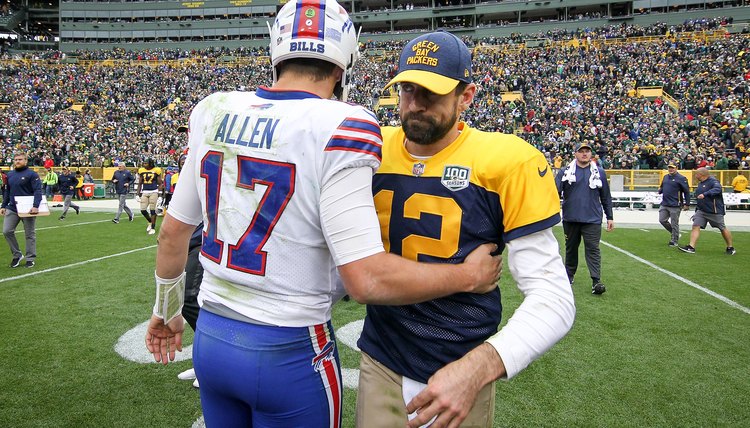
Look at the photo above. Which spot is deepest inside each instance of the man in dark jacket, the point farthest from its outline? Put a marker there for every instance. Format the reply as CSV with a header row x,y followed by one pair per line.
x,y
67,181
122,179
586,200
22,181
675,195
709,210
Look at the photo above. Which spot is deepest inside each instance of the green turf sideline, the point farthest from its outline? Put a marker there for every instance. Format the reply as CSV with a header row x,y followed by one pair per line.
x,y
39,272
728,301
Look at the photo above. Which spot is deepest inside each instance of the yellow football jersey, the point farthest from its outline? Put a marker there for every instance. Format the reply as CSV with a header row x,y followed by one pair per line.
x,y
149,178
483,187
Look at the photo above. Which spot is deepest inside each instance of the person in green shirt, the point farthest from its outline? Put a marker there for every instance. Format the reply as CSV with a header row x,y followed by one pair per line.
x,y
721,162
49,182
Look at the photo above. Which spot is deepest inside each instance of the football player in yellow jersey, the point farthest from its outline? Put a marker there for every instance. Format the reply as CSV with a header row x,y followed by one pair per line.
x,y
148,190
442,189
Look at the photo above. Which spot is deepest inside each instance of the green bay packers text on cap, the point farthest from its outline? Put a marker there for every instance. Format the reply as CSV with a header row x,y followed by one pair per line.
x,y
421,51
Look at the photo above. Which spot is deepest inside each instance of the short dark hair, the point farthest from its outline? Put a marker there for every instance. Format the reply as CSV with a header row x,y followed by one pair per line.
x,y
460,88
317,69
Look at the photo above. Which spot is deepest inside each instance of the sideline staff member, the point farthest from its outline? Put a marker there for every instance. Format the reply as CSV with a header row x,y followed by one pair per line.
x,y
675,196
586,199
709,209
22,181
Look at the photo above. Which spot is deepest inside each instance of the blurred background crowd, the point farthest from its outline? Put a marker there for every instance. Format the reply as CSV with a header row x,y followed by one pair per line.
x,y
581,85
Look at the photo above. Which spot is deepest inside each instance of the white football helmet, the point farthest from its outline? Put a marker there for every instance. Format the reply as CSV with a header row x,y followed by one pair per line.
x,y
319,29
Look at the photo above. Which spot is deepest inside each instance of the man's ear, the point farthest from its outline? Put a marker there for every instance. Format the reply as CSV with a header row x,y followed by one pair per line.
x,y
467,97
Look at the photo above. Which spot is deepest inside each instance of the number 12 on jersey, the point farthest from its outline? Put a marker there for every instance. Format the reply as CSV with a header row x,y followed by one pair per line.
x,y
278,177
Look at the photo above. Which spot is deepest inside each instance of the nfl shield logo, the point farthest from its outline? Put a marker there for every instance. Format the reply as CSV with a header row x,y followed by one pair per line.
x,y
455,177
417,169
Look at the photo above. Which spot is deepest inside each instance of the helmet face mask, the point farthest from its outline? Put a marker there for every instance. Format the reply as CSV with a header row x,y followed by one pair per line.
x,y
317,29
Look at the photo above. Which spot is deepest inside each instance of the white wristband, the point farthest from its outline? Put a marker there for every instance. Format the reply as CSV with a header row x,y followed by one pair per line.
x,y
170,297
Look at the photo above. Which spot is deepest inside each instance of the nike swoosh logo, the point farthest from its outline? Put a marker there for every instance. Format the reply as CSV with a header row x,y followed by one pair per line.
x,y
543,173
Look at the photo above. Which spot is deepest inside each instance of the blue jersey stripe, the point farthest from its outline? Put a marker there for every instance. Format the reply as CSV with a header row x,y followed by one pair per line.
x,y
361,125
358,145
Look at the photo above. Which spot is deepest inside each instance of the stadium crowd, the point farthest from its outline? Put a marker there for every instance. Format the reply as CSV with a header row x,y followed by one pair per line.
x,y
576,89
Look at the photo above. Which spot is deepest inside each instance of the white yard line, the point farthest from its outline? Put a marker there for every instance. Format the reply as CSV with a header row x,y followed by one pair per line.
x,y
38,272
20,230
729,302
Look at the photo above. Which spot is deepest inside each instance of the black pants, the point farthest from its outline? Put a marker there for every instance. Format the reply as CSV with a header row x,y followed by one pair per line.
x,y
193,278
591,234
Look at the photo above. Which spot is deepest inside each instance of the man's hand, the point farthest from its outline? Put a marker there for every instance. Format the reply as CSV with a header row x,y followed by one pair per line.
x,y
2,211
610,225
700,196
162,340
685,207
486,267
452,390
34,210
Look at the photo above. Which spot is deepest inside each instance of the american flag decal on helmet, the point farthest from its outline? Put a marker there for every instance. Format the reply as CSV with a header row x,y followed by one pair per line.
x,y
310,20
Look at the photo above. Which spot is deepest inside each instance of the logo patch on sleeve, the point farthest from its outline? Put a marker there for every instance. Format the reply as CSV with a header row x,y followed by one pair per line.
x,y
455,177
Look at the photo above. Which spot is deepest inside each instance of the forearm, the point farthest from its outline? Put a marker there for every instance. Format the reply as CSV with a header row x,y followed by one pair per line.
x,y
388,279
487,363
172,249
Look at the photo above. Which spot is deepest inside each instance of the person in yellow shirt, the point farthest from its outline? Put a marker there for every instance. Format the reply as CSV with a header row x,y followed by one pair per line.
x,y
79,186
739,183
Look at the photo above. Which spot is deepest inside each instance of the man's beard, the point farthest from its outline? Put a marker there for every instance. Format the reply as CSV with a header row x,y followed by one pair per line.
x,y
425,130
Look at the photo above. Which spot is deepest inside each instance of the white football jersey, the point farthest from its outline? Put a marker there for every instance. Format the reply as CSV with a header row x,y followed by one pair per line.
x,y
254,173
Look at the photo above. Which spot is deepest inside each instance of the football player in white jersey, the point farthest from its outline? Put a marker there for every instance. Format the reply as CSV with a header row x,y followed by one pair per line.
x,y
282,180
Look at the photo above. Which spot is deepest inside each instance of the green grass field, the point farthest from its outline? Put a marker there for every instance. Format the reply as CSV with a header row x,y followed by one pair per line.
x,y
652,351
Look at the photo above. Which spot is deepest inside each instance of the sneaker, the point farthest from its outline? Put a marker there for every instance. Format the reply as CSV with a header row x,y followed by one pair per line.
x,y
195,384
730,251
148,228
78,210
598,288
187,375
29,264
672,244
115,221
687,249
130,218
151,232
16,261
62,217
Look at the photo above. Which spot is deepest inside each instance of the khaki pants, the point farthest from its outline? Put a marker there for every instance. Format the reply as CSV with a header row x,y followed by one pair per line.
x,y
148,200
380,402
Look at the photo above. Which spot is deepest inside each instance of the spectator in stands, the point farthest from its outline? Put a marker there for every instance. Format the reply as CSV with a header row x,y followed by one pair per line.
x,y
675,196
689,163
586,199
22,181
732,162
709,210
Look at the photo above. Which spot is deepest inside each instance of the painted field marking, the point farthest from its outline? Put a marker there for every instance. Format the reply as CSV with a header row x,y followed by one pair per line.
x,y
726,300
39,272
63,225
